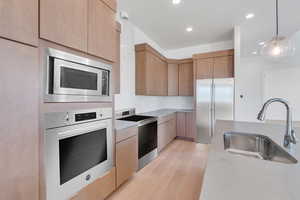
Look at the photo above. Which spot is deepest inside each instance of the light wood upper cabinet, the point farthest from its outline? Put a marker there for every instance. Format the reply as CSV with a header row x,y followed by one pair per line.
x,y
19,137
151,72
126,159
65,22
101,30
223,67
19,20
186,79
204,68
173,73
116,65
218,64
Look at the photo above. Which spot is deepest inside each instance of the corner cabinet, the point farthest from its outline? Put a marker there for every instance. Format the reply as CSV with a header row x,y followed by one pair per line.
x,y
151,72
218,64
186,85
19,21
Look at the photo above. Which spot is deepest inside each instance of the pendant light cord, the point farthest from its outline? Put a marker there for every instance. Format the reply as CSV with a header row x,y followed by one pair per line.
x,y
277,26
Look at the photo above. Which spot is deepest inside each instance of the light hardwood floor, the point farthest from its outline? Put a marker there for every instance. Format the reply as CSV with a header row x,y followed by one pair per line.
x,y
175,175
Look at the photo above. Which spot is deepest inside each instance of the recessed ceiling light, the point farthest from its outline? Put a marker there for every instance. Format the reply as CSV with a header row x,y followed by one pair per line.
x,y
176,2
261,43
254,52
249,15
189,29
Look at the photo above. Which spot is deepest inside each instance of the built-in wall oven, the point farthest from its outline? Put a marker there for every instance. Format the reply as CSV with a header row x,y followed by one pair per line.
x,y
78,149
71,78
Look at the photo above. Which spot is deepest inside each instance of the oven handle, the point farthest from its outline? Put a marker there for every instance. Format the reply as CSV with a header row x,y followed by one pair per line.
x,y
80,131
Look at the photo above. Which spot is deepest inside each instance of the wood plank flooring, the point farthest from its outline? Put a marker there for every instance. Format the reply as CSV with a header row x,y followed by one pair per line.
x,y
175,175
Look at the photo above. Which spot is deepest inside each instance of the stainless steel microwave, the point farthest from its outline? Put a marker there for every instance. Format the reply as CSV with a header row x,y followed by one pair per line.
x,y
71,78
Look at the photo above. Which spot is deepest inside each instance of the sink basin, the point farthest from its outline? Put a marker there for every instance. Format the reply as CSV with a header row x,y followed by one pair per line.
x,y
257,146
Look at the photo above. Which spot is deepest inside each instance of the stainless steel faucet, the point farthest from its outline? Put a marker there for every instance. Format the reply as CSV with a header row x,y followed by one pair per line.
x,y
289,136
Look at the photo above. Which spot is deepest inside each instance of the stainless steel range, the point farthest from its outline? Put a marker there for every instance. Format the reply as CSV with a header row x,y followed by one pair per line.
x,y
147,135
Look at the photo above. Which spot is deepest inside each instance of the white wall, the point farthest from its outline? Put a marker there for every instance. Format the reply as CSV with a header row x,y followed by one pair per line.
x,y
190,51
130,36
259,79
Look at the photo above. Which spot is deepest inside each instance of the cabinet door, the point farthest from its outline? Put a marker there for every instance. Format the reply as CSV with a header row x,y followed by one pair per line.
x,y
126,159
190,125
19,138
204,68
101,30
171,130
181,129
173,79
116,65
186,79
156,76
64,22
19,20
223,67
162,136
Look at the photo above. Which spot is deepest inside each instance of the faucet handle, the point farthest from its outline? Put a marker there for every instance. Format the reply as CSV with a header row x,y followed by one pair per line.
x,y
294,138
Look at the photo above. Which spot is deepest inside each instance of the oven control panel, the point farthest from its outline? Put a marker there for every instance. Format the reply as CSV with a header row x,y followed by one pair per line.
x,y
59,119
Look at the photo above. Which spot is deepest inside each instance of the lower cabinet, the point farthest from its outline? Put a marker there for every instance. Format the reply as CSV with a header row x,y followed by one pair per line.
x,y
186,125
99,189
126,154
126,159
166,132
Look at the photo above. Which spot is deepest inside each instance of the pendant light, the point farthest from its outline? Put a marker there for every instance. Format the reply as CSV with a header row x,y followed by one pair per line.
x,y
278,47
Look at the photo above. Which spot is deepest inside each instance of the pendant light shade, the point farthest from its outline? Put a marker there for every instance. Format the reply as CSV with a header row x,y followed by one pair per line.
x,y
278,47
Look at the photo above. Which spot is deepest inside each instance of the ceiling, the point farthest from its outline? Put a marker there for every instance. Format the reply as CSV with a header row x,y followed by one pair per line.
x,y
212,20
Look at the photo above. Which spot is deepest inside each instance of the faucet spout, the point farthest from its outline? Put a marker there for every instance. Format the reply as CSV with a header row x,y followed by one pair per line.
x,y
289,136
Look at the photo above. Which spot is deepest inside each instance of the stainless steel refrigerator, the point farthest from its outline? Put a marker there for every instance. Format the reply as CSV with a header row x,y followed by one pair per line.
x,y
214,100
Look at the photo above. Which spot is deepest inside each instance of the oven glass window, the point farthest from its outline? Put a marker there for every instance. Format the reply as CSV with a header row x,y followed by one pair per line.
x,y
78,79
79,153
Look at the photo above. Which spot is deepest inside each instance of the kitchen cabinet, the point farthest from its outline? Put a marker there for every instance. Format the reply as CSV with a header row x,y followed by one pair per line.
x,y
151,72
99,189
204,68
218,64
111,3
186,79
166,132
101,30
19,137
173,73
223,67
65,22
126,159
19,20
116,65
186,125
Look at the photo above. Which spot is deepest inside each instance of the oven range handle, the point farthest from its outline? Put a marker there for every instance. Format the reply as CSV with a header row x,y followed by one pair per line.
x,y
80,131
147,121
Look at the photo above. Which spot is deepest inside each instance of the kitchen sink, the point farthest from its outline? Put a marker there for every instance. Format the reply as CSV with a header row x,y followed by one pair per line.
x,y
257,146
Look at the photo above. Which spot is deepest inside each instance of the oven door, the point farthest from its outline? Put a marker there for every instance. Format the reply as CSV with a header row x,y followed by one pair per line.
x,y
75,156
74,79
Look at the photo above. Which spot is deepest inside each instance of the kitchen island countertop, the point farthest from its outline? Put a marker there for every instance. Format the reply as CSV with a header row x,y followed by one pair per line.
x,y
236,177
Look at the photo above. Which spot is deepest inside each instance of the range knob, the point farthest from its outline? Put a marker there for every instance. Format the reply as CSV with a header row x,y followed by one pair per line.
x,y
101,115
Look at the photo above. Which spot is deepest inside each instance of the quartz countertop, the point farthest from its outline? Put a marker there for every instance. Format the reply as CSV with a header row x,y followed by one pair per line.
x,y
121,125
164,112
236,177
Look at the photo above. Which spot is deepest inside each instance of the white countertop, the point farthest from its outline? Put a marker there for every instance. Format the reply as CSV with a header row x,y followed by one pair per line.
x,y
236,177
